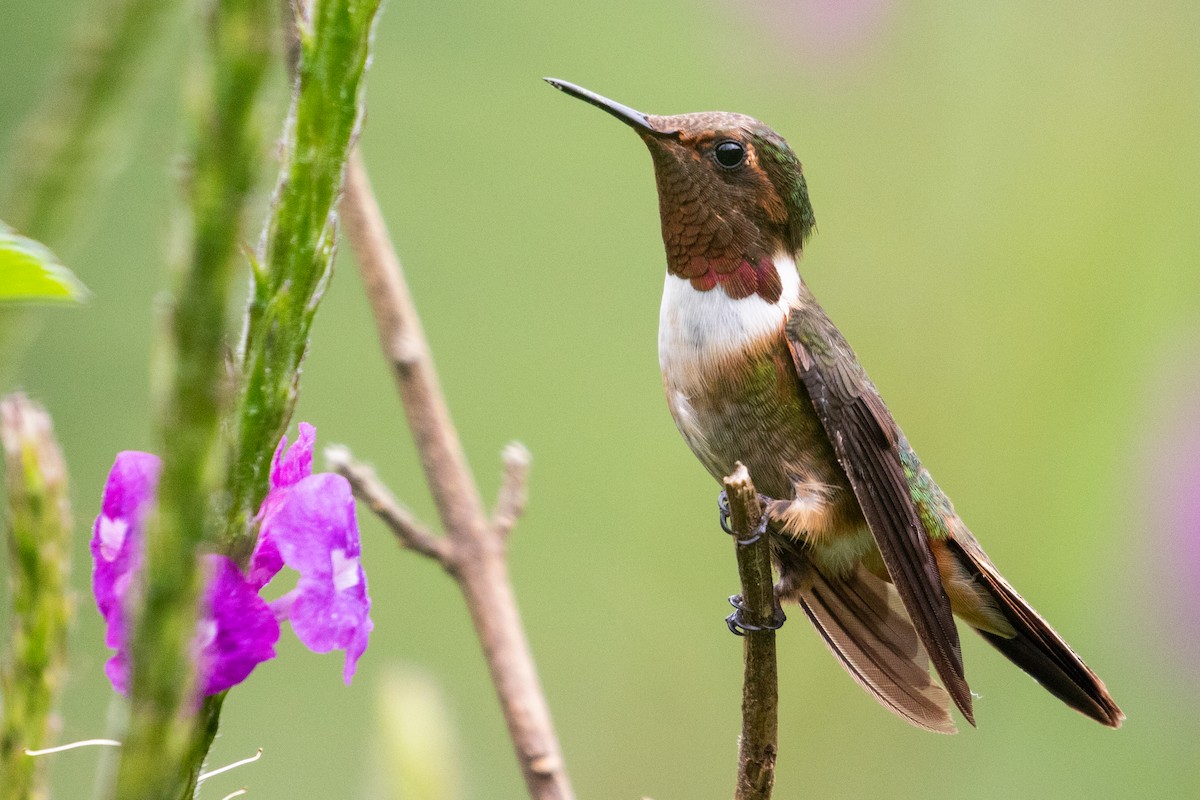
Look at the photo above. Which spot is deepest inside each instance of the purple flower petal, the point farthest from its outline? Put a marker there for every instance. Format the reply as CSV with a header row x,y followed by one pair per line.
x,y
292,464
116,669
117,548
313,526
265,562
288,466
238,631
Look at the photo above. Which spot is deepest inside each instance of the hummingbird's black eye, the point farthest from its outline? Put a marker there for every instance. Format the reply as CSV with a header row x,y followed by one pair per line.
x,y
729,154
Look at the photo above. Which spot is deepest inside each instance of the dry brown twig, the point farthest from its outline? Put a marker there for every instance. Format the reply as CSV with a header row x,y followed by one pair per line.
x,y
474,548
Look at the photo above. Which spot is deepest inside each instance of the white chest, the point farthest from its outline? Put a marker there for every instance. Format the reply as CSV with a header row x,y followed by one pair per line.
x,y
698,330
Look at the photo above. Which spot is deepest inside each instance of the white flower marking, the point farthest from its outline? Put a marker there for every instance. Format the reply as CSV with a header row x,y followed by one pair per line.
x,y
112,536
345,570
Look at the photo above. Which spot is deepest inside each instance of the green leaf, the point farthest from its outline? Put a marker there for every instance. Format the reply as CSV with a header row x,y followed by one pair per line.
x,y
29,271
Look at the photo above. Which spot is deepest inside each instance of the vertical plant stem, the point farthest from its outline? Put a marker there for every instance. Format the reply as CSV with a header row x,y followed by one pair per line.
x,y
39,528
226,145
204,731
758,744
65,143
298,247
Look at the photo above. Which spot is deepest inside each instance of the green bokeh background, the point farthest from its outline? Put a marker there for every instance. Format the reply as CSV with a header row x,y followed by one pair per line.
x,y
1009,233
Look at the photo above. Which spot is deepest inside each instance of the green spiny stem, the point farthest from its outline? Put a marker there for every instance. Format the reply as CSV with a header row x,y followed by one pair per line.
x,y
297,256
68,139
203,732
39,560
159,758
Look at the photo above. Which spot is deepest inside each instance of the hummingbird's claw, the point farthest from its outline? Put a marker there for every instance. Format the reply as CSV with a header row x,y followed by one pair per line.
x,y
723,511
760,529
738,625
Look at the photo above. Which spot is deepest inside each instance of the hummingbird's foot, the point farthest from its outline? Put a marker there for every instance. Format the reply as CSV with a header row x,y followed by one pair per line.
x,y
723,511
738,625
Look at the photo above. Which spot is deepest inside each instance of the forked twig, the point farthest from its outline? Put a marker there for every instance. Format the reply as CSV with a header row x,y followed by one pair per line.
x,y
514,488
409,531
473,549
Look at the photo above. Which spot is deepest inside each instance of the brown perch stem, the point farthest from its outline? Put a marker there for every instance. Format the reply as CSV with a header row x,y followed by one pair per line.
x,y
758,743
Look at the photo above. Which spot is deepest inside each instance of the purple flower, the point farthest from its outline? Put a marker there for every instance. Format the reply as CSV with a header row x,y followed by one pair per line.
x,y
824,30
117,548
306,522
1170,507
238,630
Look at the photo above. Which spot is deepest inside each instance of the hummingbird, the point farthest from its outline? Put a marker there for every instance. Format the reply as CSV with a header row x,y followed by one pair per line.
x,y
862,538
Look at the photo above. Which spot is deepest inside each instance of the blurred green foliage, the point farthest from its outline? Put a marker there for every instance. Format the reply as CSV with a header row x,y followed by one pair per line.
x,y
38,540
30,272
415,752
1006,202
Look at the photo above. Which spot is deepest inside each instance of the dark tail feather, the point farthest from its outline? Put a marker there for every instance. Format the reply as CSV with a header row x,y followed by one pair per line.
x,y
864,624
1037,648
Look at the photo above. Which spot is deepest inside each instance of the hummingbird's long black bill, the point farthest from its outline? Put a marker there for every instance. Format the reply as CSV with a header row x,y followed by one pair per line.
x,y
634,119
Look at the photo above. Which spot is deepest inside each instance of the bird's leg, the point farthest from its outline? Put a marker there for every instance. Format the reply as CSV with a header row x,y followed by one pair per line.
x,y
738,625
737,621
723,511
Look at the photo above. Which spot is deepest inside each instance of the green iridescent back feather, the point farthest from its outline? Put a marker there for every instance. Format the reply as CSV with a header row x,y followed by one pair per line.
x,y
786,175
933,506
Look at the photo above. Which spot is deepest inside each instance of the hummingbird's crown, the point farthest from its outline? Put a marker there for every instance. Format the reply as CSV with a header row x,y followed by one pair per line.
x,y
728,182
